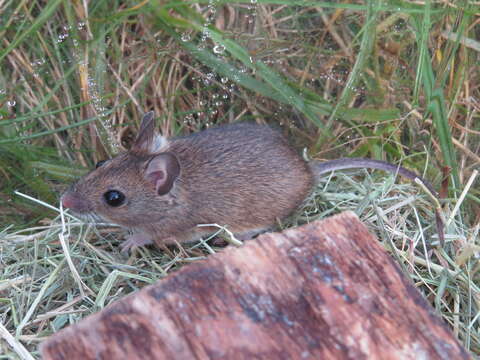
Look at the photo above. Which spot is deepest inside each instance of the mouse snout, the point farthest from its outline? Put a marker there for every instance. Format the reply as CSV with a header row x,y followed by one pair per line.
x,y
73,201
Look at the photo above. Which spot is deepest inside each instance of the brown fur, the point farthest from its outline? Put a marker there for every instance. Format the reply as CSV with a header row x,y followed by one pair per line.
x,y
243,176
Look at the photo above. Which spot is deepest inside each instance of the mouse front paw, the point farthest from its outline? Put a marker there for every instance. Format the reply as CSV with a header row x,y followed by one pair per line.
x,y
135,240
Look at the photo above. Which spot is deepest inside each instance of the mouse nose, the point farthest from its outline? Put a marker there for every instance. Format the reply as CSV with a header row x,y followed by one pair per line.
x,y
67,201
74,202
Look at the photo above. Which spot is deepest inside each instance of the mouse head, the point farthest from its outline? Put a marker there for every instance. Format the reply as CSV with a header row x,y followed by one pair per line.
x,y
133,188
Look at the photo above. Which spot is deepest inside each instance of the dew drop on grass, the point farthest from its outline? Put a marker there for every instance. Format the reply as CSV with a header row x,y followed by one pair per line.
x,y
188,119
209,78
62,37
92,88
210,18
218,49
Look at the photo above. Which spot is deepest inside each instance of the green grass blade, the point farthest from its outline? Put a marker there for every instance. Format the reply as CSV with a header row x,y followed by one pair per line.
x,y
423,51
366,46
48,132
437,107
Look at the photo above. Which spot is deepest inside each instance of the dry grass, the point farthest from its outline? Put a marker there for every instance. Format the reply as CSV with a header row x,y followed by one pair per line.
x,y
399,83
62,272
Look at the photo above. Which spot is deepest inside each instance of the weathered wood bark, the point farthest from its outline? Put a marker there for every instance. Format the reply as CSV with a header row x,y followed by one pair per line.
x,y
326,290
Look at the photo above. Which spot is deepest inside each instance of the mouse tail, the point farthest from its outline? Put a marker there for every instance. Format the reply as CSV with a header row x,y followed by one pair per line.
x,y
321,168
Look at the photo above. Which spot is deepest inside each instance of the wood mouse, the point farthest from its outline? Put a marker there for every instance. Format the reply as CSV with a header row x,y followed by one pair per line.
x,y
244,176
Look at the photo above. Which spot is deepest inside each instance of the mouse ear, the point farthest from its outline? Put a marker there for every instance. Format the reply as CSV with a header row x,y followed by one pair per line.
x,y
162,170
148,140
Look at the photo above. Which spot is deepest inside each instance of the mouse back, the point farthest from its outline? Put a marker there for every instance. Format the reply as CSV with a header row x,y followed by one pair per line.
x,y
245,170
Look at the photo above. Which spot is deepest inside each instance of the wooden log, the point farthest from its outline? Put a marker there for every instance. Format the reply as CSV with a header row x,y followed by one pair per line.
x,y
326,290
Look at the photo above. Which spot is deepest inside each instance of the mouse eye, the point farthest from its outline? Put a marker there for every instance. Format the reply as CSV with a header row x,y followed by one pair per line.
x,y
100,163
114,198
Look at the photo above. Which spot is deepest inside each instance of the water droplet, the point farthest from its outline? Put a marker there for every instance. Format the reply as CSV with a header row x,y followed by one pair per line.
x,y
188,119
211,76
205,34
38,62
210,18
218,49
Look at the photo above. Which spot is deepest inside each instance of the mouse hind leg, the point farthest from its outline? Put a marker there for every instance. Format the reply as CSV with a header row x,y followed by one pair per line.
x,y
250,234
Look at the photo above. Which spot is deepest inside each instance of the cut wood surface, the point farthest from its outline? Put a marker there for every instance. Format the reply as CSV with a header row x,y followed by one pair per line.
x,y
326,290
